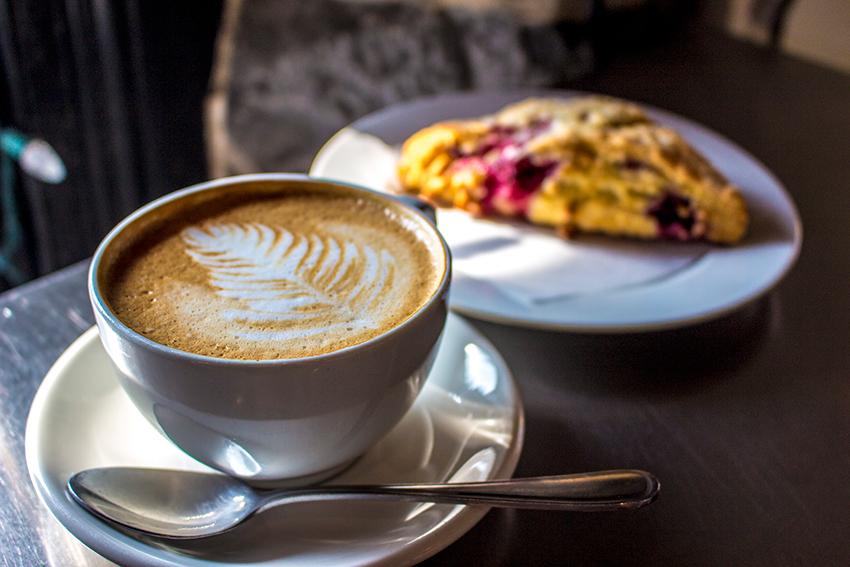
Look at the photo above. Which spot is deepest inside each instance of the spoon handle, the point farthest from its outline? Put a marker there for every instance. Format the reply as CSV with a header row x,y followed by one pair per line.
x,y
587,492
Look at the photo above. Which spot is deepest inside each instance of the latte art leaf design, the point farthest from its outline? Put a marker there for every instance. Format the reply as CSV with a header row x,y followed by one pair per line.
x,y
291,285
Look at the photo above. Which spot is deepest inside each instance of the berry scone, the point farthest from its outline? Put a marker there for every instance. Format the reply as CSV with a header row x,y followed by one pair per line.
x,y
588,164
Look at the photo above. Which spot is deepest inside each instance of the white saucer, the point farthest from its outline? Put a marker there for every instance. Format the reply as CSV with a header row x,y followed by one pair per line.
x,y
603,285
466,425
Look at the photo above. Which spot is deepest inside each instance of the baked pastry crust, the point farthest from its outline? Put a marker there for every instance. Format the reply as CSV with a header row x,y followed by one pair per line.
x,y
591,164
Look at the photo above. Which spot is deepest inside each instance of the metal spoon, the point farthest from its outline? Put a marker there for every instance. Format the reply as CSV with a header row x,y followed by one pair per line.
x,y
188,505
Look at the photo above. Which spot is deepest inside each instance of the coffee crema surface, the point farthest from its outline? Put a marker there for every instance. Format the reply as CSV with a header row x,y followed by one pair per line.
x,y
268,273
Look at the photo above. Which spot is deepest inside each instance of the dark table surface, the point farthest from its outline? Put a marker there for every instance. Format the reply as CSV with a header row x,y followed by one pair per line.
x,y
746,420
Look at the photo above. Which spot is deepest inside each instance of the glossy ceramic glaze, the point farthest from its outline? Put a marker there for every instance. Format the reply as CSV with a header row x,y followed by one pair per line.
x,y
467,425
275,422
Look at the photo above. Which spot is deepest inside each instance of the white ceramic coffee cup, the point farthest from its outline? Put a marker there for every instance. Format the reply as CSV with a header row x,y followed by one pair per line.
x,y
283,421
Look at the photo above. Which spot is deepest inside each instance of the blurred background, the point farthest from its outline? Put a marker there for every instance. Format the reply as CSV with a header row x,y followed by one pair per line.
x,y
142,98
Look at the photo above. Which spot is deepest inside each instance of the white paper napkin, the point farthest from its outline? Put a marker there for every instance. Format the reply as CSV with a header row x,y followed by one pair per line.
x,y
533,265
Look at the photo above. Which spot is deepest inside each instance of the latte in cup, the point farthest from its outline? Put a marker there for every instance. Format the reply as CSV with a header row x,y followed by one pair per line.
x,y
264,271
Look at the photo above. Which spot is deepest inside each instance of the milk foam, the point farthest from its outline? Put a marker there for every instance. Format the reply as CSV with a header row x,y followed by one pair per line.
x,y
291,286
259,273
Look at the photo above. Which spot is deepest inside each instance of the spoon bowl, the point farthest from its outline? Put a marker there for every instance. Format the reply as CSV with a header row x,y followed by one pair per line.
x,y
190,505
167,503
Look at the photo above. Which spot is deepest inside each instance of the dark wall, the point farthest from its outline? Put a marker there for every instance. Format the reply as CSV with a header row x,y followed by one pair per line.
x,y
117,88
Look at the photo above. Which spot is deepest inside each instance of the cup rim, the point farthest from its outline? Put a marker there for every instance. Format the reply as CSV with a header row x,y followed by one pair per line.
x,y
134,336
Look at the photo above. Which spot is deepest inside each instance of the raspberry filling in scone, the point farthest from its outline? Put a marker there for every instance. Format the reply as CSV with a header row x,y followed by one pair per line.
x,y
676,218
510,177
579,165
509,183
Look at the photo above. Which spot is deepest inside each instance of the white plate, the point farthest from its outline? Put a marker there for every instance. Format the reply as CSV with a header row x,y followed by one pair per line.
x,y
641,286
466,425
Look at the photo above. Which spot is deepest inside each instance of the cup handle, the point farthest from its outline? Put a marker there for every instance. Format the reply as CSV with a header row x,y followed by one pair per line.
x,y
423,206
